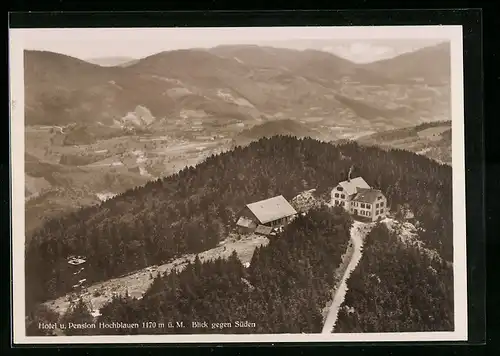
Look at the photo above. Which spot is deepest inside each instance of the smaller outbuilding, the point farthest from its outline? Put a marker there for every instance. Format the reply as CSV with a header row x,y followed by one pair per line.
x,y
245,225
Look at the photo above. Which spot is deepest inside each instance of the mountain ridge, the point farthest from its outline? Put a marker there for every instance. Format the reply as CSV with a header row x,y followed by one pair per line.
x,y
437,72
61,88
176,108
279,127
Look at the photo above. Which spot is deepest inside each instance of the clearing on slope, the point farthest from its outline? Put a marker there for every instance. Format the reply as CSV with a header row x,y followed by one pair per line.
x,y
136,283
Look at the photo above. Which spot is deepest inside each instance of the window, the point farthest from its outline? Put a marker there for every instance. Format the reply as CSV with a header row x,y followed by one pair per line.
x,y
342,196
342,203
379,197
376,205
340,189
377,212
336,202
368,213
368,206
336,195
362,205
382,204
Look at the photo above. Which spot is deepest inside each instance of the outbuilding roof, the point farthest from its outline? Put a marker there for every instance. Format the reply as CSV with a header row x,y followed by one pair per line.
x,y
271,209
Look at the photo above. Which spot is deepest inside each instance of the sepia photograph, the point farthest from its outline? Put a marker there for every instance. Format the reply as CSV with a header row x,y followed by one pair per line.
x,y
238,184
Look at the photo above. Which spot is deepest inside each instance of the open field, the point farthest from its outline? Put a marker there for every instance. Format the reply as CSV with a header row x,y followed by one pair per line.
x,y
135,284
61,177
430,139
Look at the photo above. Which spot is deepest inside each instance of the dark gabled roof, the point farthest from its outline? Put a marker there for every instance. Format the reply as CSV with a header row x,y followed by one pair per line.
x,y
367,195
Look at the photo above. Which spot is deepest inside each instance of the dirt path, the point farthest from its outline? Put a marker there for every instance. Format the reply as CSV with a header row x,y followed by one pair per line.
x,y
136,283
358,232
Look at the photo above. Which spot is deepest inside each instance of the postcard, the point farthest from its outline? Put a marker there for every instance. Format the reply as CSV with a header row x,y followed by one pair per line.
x,y
225,185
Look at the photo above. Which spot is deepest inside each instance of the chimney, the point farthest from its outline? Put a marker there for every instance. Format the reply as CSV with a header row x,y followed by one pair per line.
x,y
349,174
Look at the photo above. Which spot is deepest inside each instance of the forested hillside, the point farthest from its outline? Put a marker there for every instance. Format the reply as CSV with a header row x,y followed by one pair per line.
x,y
283,291
178,107
433,139
397,288
192,211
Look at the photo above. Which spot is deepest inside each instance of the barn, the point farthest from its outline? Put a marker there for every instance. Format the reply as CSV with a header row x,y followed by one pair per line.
x,y
272,212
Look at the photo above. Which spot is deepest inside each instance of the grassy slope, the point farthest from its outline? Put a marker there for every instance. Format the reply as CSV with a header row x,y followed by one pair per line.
x,y
431,139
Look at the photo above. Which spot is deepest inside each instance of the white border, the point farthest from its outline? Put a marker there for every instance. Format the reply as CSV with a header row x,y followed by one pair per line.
x,y
20,38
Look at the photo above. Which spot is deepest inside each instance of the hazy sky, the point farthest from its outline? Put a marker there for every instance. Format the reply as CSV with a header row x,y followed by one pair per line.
x,y
359,44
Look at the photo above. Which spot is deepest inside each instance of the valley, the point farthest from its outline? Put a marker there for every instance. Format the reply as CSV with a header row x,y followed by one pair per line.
x,y
141,167
97,130
63,177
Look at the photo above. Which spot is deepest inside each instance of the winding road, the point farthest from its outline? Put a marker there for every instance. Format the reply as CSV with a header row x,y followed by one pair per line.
x,y
358,232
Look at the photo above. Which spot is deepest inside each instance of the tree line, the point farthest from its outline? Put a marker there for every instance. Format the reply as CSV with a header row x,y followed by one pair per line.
x,y
284,290
397,288
191,211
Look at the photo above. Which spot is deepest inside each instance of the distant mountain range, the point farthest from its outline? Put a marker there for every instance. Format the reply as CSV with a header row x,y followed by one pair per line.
x,y
93,131
429,65
230,82
112,61
358,50
136,164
